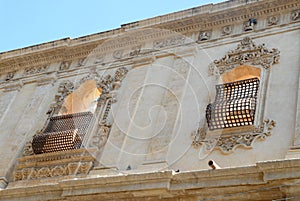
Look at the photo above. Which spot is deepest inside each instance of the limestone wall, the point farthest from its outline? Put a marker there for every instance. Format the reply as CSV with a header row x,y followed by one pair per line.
x,y
159,103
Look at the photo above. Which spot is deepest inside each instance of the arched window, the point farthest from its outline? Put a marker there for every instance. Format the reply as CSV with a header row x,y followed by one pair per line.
x,y
67,129
82,99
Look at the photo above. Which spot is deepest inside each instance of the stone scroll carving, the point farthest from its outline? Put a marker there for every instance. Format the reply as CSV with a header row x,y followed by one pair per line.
x,y
247,52
228,143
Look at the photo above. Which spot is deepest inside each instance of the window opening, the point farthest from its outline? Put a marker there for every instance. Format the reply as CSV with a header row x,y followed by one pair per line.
x,y
234,104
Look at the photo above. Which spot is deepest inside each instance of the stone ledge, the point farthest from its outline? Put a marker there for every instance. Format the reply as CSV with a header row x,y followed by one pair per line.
x,y
263,174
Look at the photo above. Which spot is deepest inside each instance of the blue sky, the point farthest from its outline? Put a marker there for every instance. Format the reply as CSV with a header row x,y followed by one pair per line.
x,y
29,22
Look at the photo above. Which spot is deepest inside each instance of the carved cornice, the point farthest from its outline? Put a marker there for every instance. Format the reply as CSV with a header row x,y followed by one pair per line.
x,y
12,86
189,21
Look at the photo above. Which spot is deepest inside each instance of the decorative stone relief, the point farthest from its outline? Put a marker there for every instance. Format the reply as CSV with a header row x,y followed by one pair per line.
x,y
135,51
10,76
100,138
118,54
246,52
35,70
65,65
227,30
64,89
56,164
178,40
204,35
295,15
54,171
99,59
198,136
249,25
229,142
28,151
81,62
273,20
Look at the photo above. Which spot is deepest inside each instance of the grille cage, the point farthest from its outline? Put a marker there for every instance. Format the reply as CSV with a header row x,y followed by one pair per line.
x,y
65,132
234,104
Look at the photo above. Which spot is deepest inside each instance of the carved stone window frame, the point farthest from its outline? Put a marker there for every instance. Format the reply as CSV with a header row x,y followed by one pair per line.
x,y
227,140
80,160
109,85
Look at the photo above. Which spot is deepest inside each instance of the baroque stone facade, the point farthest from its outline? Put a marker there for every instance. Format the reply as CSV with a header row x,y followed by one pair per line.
x,y
148,87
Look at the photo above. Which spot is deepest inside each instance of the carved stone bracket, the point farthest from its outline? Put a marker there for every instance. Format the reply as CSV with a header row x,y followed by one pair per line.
x,y
229,142
247,52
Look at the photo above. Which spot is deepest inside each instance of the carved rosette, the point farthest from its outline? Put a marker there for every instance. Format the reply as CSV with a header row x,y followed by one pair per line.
x,y
228,143
247,52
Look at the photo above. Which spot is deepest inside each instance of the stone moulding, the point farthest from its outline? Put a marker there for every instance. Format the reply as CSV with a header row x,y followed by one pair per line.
x,y
56,164
78,48
247,52
227,143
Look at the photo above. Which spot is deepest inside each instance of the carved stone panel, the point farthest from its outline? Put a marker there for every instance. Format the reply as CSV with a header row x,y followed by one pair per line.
x,y
35,70
247,52
57,164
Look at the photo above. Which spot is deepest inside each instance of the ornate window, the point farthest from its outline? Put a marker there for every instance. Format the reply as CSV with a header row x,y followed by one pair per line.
x,y
236,117
67,130
77,129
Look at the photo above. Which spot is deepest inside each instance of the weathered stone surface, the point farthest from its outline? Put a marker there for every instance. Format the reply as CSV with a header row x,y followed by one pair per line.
x,y
153,80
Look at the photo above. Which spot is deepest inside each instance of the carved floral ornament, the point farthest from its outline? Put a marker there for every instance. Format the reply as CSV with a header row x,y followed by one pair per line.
x,y
247,52
228,143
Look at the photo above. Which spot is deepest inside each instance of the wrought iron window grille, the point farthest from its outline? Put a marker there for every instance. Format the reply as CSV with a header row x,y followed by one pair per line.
x,y
234,104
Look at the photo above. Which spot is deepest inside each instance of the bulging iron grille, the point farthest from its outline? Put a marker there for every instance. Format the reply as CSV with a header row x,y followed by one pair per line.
x,y
62,133
234,104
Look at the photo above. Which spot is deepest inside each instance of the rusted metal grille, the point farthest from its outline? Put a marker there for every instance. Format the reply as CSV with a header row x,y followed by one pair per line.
x,y
57,141
62,133
80,121
234,104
